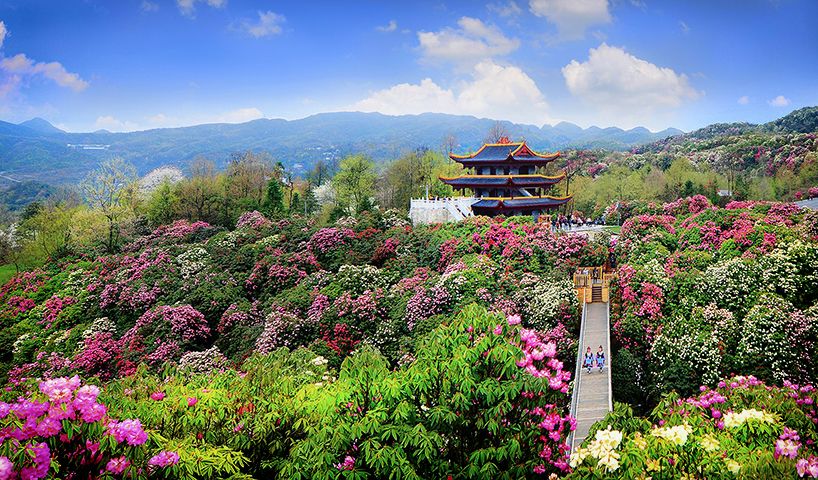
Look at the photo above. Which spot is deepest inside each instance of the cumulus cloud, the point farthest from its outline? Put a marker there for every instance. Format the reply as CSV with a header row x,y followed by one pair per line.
x,y
3,32
472,42
389,27
268,24
188,7
779,101
509,9
743,100
615,81
572,17
23,66
494,91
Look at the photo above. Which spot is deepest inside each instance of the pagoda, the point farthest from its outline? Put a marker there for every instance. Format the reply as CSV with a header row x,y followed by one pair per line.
x,y
507,179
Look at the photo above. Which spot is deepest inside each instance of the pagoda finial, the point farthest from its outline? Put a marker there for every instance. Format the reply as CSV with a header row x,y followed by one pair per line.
x,y
504,140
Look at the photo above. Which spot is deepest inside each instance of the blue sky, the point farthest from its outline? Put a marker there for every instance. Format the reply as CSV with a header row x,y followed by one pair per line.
x,y
139,64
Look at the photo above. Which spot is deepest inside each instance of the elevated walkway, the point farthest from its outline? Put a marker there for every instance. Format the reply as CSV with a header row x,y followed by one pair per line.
x,y
592,397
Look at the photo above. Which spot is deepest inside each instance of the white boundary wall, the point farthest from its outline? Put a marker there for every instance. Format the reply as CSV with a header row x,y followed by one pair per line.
x,y
440,210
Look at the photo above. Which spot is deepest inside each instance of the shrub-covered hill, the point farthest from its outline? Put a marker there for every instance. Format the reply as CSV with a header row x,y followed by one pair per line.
x,y
463,340
704,293
428,352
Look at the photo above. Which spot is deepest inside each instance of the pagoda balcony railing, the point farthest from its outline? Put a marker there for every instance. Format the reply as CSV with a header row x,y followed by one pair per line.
x,y
590,280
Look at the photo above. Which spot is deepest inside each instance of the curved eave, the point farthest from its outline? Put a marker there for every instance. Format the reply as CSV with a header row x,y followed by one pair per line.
x,y
480,150
519,203
522,161
524,146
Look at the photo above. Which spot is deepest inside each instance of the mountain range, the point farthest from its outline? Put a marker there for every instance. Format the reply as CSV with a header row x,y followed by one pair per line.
x,y
36,150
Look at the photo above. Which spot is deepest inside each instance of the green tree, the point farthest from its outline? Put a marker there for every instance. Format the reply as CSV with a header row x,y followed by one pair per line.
x,y
355,180
162,204
296,205
108,189
273,204
202,195
310,202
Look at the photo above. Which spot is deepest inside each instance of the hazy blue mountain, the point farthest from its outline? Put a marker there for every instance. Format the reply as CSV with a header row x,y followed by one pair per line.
x,y
41,125
37,151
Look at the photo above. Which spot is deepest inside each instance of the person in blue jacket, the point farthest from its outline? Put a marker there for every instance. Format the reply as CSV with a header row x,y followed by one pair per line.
x,y
588,362
600,358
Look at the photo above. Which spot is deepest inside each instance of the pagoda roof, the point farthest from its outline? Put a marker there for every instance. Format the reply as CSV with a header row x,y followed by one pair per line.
x,y
467,181
517,153
494,204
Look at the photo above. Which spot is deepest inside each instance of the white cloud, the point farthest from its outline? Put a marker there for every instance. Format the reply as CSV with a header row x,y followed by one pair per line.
x,y
472,42
268,24
188,7
572,17
779,101
621,86
494,91
159,120
408,98
113,124
3,32
743,100
240,115
10,85
390,27
148,6
22,65
509,9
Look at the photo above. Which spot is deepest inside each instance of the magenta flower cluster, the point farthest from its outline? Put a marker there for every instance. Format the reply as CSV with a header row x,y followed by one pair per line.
x,y
164,459
29,422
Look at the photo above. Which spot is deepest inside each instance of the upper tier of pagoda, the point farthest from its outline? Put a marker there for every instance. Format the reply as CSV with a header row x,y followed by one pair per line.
x,y
505,153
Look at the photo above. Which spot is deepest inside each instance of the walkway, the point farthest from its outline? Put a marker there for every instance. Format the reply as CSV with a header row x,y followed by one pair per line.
x,y
592,399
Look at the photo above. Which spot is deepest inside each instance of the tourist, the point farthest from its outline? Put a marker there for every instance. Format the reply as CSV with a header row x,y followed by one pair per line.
x,y
589,359
600,358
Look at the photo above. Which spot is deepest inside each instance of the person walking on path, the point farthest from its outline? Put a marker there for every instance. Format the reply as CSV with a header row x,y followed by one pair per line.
x,y
589,359
600,358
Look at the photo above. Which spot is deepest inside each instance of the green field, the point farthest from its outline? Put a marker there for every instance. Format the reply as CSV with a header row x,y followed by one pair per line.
x,y
6,272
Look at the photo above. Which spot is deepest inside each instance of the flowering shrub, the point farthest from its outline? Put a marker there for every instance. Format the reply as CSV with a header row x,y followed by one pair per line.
x,y
719,433
255,220
64,431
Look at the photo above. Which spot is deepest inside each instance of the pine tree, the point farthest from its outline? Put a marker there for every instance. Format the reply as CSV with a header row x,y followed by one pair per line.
x,y
273,199
310,202
296,205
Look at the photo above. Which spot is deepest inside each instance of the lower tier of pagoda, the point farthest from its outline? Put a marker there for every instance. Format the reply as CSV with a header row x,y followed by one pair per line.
x,y
496,205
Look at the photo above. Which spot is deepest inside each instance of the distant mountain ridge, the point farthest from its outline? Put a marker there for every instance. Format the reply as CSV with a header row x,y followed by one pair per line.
x,y
36,150
803,120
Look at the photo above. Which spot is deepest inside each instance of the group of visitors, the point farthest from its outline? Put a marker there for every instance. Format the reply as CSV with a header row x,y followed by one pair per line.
x,y
564,222
591,359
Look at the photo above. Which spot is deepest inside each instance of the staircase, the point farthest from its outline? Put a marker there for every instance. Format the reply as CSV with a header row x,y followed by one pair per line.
x,y
592,397
596,294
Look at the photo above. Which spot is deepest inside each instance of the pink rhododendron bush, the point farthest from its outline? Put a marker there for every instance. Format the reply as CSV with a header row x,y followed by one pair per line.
x,y
62,430
447,347
741,428
704,292
189,288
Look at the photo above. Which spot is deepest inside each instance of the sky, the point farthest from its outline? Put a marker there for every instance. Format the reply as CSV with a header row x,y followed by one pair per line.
x,y
127,65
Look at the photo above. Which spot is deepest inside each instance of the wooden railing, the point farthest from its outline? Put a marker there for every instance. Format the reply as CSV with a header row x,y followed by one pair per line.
x,y
588,280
